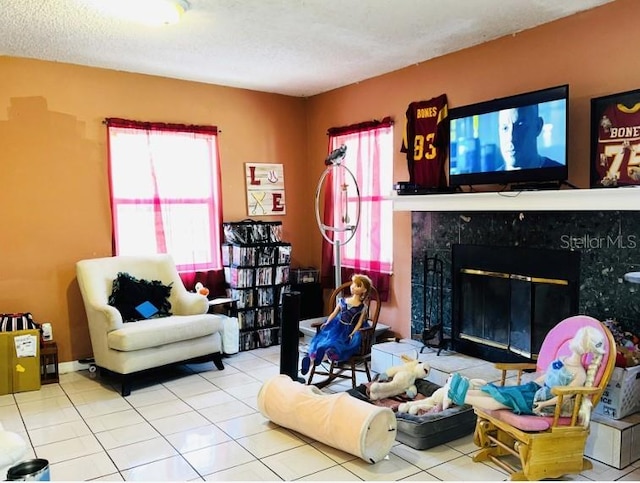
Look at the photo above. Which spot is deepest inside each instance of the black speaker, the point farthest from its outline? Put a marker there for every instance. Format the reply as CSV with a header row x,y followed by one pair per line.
x,y
311,302
290,338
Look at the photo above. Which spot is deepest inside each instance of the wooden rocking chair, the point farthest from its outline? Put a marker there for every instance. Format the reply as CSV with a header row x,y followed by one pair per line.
x,y
362,358
536,447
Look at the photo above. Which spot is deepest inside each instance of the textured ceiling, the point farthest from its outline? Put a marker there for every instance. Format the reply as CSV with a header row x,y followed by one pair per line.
x,y
292,47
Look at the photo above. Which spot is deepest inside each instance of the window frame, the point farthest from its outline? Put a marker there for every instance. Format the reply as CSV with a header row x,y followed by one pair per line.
x,y
162,197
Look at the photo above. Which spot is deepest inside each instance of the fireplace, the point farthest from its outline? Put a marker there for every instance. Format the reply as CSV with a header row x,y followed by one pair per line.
x,y
506,299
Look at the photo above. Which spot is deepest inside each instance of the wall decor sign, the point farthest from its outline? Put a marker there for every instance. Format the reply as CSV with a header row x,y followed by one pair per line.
x,y
265,189
615,140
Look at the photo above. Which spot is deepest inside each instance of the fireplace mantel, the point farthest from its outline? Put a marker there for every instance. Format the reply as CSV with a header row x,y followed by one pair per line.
x,y
613,199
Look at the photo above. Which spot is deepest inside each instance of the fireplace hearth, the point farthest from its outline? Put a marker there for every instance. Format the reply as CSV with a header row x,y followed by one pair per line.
x,y
506,299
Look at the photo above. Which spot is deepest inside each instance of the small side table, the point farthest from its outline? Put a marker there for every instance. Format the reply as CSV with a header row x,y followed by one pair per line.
x,y
227,306
49,362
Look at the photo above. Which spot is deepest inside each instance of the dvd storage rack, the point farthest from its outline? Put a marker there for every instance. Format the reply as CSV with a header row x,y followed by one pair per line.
x,y
256,268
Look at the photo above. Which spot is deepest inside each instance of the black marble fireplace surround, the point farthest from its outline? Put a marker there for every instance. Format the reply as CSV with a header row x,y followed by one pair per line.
x,y
608,244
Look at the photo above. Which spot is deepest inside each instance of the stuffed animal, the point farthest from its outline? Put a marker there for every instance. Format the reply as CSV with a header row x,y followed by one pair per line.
x,y
437,401
201,289
399,380
424,405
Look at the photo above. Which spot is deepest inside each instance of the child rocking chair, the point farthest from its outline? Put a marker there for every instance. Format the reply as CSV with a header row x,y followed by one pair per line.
x,y
535,447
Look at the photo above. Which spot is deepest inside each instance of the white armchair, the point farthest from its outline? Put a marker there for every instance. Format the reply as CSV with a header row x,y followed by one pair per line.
x,y
126,348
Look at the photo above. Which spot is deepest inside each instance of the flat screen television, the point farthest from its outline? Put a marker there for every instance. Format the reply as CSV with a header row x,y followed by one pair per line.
x,y
521,139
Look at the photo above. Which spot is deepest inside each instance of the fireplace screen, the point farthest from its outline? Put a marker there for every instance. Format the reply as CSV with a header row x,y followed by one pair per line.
x,y
485,315
509,310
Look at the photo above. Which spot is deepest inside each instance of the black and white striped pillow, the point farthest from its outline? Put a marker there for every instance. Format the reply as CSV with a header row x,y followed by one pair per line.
x,y
21,321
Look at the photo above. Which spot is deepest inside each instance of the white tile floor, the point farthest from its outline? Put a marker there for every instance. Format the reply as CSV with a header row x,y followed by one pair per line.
x,y
198,423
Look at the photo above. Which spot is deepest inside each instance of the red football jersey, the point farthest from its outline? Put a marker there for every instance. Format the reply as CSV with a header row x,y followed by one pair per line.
x,y
618,161
425,141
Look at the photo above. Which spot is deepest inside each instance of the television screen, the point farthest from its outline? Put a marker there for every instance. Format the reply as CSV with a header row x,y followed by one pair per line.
x,y
516,139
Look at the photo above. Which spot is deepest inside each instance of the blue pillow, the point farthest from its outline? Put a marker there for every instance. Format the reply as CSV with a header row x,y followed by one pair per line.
x,y
147,309
138,299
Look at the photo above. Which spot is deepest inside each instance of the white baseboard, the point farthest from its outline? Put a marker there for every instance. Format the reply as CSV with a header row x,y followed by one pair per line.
x,y
73,366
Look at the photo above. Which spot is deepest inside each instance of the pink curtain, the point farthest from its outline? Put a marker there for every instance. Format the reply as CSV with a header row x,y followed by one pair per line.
x,y
366,132
192,268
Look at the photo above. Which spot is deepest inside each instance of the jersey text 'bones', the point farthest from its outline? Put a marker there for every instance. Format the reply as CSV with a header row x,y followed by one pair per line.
x,y
426,137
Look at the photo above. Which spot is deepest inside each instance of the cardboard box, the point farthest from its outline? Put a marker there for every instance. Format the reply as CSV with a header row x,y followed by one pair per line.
x,y
622,395
614,442
18,374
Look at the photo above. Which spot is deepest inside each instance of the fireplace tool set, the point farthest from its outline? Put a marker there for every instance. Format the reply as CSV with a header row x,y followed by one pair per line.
x,y
432,300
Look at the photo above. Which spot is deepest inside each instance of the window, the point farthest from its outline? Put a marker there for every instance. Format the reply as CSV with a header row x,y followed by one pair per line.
x,y
165,192
369,156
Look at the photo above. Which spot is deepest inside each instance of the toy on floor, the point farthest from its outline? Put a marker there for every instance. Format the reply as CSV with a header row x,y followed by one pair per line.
x,y
337,420
399,380
428,404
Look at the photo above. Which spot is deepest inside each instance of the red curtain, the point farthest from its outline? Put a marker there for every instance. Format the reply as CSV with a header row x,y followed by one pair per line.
x,y
212,279
161,126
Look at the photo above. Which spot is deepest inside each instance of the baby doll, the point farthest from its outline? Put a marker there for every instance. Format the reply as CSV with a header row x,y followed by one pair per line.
x,y
339,338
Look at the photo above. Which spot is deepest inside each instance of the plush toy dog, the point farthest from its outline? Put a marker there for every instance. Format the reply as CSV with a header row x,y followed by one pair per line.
x,y
399,380
426,404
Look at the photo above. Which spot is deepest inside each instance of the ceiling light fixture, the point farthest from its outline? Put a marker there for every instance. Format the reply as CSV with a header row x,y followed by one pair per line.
x,y
150,12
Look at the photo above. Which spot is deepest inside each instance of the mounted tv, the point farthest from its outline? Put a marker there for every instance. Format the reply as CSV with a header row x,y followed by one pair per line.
x,y
519,140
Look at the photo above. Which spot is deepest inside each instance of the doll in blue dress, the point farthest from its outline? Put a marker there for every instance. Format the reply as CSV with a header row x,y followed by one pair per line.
x,y
534,397
338,338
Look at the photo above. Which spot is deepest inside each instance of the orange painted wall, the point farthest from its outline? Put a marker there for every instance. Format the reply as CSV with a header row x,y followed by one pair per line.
x,y
54,204
595,52
54,201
